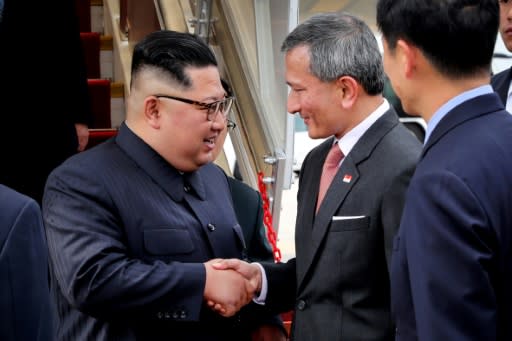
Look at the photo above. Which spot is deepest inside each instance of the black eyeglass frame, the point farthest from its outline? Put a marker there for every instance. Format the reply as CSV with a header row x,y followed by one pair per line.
x,y
212,108
230,124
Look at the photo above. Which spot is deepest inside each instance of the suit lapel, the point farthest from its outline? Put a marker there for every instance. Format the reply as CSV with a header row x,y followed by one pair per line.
x,y
336,194
462,113
309,243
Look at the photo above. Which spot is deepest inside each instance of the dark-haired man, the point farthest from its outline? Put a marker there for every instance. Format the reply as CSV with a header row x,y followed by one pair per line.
x,y
451,268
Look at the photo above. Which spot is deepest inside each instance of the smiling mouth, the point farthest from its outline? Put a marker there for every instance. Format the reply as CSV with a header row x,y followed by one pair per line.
x,y
210,142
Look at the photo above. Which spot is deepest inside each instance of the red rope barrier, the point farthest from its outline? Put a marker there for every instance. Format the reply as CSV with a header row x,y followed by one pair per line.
x,y
267,219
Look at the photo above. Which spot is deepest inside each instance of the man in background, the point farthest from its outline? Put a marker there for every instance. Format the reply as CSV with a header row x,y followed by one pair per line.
x,y
44,100
451,268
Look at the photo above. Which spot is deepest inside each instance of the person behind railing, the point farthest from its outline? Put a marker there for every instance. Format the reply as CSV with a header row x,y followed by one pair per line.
x,y
134,223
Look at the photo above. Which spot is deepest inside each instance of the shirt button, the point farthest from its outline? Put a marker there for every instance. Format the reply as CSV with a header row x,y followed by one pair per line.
x,y
186,188
301,305
210,227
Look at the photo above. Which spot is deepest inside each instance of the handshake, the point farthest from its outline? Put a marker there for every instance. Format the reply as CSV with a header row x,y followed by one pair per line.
x,y
230,284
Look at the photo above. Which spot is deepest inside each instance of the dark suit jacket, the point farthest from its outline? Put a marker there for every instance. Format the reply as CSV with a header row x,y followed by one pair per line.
x,y
340,273
452,265
25,304
501,82
248,207
49,81
127,235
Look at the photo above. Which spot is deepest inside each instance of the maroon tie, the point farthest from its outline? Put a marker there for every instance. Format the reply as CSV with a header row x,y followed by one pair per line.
x,y
331,164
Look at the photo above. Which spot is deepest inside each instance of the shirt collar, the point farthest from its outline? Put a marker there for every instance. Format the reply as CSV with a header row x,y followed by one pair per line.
x,y
349,140
452,103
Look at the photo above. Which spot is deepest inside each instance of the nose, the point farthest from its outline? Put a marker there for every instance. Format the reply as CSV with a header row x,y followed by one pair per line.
x,y
219,121
293,103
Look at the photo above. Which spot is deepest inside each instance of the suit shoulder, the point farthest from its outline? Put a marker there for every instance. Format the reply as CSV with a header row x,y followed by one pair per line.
x,y
12,199
499,75
402,143
13,205
240,189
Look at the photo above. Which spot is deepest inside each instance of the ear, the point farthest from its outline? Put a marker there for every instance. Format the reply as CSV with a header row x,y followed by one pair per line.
x,y
347,90
407,54
152,111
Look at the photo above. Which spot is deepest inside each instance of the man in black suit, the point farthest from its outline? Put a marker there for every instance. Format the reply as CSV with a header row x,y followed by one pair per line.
x,y
134,223
338,283
44,99
501,81
25,303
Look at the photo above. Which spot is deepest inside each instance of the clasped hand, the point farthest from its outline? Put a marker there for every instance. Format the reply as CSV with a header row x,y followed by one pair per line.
x,y
230,284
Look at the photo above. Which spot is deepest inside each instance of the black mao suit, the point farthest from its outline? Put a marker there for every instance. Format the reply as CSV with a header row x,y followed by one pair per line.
x,y
127,250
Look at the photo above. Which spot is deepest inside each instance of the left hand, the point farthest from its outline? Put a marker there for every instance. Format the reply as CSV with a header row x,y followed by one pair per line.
x,y
268,333
82,131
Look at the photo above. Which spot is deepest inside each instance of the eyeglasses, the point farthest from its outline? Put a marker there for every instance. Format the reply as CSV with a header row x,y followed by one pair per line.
x,y
231,125
212,109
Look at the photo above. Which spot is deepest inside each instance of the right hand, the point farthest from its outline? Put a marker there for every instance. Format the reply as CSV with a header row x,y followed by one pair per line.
x,y
226,291
250,271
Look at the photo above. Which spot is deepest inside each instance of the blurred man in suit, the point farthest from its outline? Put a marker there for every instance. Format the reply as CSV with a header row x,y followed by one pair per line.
x,y
133,224
451,275
25,302
47,128
338,284
501,81
248,206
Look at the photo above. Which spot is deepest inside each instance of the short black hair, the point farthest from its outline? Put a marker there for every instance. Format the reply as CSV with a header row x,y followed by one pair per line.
x,y
457,36
172,52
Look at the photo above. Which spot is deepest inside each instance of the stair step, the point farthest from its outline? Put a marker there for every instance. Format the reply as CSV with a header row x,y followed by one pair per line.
x,y
97,136
91,45
98,50
106,43
107,103
97,16
117,90
83,9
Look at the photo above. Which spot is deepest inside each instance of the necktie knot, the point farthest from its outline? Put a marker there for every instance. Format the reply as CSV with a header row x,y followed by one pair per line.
x,y
334,157
330,168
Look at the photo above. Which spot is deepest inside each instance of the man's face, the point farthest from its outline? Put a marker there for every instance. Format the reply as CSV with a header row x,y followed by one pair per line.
x,y
506,22
190,139
315,101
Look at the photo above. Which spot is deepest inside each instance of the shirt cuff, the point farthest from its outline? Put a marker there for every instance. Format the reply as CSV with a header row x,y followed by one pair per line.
x,y
260,299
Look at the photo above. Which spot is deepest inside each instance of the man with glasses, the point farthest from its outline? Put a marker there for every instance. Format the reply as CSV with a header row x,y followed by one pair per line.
x,y
133,224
